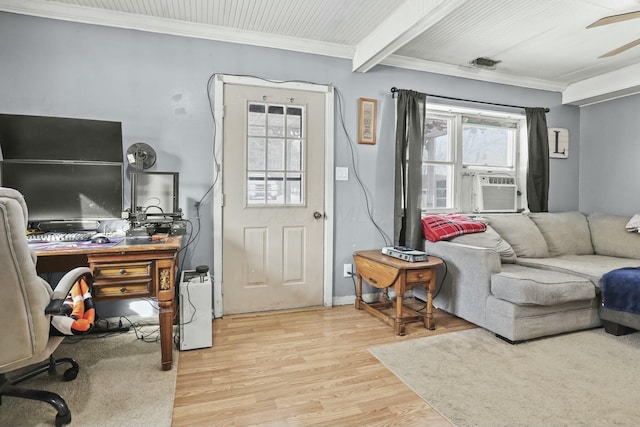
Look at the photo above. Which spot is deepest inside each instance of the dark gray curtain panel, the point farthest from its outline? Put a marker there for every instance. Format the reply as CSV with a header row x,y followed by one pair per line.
x,y
538,171
408,174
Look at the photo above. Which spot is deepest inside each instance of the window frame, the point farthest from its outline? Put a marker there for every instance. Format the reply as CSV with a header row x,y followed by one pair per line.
x,y
462,176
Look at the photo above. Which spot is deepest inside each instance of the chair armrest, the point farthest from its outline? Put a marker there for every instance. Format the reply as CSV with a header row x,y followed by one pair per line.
x,y
57,308
66,283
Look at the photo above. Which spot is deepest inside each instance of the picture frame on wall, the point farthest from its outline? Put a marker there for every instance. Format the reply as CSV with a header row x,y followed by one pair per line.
x,y
367,120
558,143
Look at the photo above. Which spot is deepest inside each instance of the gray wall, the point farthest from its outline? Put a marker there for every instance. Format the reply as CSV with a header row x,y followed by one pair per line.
x,y
609,157
156,86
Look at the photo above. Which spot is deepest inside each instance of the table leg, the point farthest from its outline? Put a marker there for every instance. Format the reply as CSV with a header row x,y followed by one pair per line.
x,y
166,335
428,317
358,292
398,326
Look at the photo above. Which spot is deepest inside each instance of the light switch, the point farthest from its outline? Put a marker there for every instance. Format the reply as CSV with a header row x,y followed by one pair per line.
x,y
342,174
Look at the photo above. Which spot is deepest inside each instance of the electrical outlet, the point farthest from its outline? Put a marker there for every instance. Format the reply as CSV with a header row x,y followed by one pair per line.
x,y
348,268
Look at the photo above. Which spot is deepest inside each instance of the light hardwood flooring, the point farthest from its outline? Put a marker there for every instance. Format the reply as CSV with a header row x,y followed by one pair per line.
x,y
300,368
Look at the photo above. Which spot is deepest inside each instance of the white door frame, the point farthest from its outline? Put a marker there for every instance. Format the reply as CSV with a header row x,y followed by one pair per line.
x,y
218,196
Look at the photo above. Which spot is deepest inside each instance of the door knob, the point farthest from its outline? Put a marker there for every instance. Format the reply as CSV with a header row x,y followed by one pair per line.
x,y
317,215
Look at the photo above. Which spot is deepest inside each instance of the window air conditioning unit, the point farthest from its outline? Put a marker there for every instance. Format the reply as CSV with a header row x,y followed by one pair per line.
x,y
495,193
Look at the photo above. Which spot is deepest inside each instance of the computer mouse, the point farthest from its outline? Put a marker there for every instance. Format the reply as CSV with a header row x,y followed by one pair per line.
x,y
100,238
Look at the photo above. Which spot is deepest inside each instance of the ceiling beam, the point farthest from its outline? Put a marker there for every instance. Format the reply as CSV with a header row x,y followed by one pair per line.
x,y
406,23
604,87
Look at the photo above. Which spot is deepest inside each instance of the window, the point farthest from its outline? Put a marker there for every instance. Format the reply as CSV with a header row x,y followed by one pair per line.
x,y
275,155
461,144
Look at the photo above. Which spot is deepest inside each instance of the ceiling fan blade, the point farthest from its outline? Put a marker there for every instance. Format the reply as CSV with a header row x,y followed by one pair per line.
x,y
621,49
615,18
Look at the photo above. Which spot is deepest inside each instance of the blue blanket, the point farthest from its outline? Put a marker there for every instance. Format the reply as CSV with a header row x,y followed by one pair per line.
x,y
621,290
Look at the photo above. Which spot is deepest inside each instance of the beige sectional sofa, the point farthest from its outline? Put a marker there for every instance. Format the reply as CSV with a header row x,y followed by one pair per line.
x,y
533,275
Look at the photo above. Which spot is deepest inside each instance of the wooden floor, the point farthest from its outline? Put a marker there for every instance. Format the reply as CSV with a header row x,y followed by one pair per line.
x,y
300,368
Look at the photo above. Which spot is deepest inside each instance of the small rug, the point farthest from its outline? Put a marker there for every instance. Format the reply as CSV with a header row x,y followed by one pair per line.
x,y
120,383
472,378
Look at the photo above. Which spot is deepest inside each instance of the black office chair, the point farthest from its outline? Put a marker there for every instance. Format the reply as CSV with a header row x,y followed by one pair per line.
x,y
24,298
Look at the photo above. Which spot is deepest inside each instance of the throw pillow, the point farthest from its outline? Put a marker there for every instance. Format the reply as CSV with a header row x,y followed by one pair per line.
x,y
490,240
439,227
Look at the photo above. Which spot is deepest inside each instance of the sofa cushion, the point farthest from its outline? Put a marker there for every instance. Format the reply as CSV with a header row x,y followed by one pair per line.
x,y
523,285
491,240
566,233
609,236
591,267
521,233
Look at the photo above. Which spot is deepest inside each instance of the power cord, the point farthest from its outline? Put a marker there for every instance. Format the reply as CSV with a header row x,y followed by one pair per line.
x,y
384,236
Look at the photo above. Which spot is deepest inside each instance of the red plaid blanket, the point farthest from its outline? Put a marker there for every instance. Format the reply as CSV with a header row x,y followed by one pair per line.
x,y
440,227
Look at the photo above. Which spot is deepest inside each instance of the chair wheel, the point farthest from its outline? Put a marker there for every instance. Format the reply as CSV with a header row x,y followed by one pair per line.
x,y
70,374
63,419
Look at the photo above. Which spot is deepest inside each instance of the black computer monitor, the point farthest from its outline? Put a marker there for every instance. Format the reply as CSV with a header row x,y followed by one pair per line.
x,y
69,192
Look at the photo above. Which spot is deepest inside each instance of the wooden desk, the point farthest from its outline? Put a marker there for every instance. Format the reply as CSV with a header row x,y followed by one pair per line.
x,y
127,270
383,272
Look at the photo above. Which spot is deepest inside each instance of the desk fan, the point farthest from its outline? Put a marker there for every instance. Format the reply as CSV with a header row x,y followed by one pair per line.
x,y
613,19
141,155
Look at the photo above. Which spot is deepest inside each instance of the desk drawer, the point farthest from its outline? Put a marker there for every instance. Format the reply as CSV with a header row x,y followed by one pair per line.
x,y
122,289
117,271
419,276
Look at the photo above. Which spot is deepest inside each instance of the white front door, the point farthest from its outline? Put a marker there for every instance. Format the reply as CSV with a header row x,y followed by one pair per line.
x,y
273,214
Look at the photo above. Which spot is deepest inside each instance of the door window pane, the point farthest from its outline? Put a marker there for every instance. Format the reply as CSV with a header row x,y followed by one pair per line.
x,y
276,154
275,120
293,188
294,122
275,188
256,153
256,188
257,120
294,155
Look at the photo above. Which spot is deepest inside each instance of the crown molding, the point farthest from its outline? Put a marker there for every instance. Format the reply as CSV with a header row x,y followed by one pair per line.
x,y
110,18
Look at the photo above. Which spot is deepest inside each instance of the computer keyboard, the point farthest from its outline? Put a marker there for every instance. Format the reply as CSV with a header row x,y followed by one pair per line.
x,y
59,237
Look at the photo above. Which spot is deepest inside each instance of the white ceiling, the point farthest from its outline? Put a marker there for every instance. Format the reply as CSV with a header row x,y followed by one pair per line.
x,y
541,44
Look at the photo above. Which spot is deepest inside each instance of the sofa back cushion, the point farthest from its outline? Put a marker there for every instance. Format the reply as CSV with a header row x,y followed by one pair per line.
x,y
491,240
609,236
566,233
521,233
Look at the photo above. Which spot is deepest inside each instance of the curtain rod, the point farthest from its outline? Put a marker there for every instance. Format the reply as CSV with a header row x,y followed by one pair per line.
x,y
395,89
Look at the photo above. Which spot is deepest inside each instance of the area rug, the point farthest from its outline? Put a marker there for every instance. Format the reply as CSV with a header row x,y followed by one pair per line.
x,y
472,378
120,383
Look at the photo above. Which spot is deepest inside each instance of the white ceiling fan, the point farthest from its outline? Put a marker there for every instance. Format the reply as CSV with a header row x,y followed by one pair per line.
x,y
614,19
